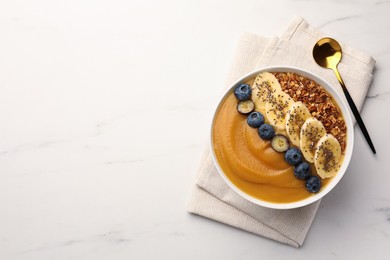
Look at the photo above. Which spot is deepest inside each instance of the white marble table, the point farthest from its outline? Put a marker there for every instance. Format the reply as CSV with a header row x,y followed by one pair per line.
x,y
105,109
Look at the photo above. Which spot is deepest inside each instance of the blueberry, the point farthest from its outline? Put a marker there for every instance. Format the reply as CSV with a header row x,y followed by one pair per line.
x,y
245,107
280,143
255,119
293,156
243,92
313,184
266,132
302,171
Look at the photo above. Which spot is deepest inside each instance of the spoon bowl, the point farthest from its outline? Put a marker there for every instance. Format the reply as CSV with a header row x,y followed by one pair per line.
x,y
327,53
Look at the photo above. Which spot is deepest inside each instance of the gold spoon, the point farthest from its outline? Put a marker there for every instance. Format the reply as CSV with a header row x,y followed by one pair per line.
x,y
327,53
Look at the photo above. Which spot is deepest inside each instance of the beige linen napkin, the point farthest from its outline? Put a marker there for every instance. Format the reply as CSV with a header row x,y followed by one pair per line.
x,y
212,197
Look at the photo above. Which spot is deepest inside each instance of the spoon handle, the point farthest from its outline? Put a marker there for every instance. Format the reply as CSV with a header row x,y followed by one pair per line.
x,y
355,111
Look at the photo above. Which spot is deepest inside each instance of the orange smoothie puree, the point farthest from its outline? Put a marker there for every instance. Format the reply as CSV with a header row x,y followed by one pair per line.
x,y
249,162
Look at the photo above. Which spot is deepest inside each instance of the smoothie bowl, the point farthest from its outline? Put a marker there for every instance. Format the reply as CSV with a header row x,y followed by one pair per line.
x,y
282,137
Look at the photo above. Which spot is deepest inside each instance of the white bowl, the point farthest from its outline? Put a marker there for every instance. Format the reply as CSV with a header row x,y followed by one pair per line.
x,y
348,151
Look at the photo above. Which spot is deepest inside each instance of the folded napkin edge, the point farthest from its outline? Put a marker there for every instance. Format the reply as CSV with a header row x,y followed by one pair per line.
x,y
233,217
300,23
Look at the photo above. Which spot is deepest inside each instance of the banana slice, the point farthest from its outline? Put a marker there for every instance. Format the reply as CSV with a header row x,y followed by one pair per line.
x,y
327,156
276,108
311,132
264,84
296,116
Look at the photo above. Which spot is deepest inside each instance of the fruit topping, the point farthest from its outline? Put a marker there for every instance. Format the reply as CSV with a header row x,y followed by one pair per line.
x,y
313,184
293,156
266,132
255,119
311,132
280,143
245,107
264,84
296,116
243,92
302,171
327,156
276,108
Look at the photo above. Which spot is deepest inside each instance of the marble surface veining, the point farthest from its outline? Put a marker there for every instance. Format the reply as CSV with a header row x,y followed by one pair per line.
x,y
105,109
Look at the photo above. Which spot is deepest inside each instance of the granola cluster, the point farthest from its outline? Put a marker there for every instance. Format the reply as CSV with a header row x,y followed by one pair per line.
x,y
317,100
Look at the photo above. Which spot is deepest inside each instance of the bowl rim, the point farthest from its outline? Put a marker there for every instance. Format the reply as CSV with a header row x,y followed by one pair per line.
x,y
345,110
